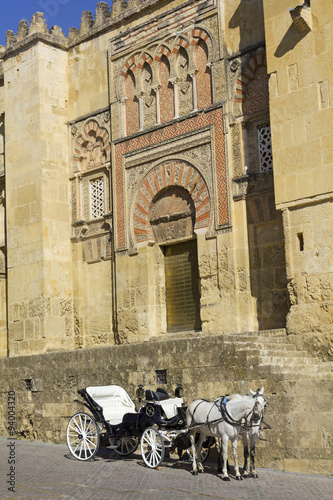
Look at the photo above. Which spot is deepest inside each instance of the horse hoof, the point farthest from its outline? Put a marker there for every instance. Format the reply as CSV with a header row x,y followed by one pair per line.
x,y
239,478
201,471
194,473
226,478
246,476
255,476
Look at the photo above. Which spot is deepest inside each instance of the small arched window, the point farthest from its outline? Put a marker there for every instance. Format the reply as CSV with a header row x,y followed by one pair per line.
x,y
203,78
167,103
132,105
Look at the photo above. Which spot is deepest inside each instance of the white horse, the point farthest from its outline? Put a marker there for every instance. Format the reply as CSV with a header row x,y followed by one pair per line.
x,y
225,420
249,437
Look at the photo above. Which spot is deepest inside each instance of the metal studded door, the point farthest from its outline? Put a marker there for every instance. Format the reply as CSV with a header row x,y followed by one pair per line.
x,y
182,287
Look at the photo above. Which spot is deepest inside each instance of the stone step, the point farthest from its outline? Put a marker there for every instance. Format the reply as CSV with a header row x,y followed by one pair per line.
x,y
273,353
235,339
263,345
306,371
290,360
280,332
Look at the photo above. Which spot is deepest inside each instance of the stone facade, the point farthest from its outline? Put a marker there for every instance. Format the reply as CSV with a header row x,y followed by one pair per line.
x,y
162,125
301,114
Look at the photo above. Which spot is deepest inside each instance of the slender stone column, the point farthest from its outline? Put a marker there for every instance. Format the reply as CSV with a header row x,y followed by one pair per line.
x,y
158,104
176,96
123,116
194,91
141,117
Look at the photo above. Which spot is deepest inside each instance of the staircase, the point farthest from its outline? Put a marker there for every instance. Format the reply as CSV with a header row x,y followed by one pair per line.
x,y
299,390
276,355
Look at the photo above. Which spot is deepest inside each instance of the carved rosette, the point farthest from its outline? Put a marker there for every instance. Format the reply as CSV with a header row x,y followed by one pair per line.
x,y
92,147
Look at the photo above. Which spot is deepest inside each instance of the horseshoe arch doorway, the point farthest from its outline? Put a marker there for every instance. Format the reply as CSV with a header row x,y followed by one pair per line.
x,y
172,218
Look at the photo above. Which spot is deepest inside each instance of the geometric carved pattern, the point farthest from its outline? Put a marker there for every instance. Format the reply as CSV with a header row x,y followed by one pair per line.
x,y
252,86
97,198
265,148
213,119
169,174
91,147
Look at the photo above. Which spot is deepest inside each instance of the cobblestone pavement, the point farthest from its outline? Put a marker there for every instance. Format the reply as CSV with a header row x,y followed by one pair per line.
x,y
47,471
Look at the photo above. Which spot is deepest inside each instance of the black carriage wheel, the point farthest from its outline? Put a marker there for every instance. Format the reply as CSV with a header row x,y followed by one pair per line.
x,y
127,445
203,455
205,450
152,447
82,436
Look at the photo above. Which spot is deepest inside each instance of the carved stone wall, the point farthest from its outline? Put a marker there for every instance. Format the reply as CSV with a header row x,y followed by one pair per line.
x,y
134,158
90,186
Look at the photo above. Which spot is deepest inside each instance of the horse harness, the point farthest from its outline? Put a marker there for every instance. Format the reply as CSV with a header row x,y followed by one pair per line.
x,y
221,405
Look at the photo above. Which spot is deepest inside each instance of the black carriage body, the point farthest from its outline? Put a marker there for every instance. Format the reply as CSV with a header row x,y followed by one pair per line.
x,y
134,424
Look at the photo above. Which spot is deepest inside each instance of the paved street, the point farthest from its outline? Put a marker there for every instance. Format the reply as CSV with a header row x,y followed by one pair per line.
x,y
46,471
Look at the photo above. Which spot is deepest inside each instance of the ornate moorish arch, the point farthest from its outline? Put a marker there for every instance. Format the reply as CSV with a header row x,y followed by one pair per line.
x,y
167,48
189,200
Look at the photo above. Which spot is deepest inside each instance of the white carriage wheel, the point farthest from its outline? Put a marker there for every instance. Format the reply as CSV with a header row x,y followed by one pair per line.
x,y
82,436
152,447
127,445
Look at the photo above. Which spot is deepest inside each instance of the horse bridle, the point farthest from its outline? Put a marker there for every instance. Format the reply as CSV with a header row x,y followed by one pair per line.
x,y
255,415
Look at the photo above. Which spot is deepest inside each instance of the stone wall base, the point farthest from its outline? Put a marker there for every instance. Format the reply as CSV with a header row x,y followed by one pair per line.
x,y
298,388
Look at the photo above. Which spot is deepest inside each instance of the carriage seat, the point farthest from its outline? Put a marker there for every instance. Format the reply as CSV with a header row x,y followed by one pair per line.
x,y
168,404
159,395
114,400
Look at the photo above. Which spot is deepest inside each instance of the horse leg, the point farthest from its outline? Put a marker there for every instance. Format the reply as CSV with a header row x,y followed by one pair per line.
x,y
245,440
193,449
201,439
235,454
253,442
219,455
225,441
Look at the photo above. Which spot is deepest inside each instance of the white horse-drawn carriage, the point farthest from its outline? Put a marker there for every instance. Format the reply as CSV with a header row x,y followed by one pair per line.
x,y
159,424
163,422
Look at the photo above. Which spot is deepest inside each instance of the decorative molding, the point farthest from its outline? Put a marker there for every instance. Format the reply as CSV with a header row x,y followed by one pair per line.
x,y
174,142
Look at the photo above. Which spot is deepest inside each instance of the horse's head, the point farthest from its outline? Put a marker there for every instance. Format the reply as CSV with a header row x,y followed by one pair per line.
x,y
259,404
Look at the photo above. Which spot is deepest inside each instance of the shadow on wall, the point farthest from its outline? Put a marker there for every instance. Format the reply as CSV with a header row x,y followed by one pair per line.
x,y
267,261
292,37
247,9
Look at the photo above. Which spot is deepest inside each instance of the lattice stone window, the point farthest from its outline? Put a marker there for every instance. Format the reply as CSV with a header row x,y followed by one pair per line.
x,y
265,148
97,198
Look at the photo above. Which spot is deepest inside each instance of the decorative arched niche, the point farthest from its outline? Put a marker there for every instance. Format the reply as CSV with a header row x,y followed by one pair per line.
x,y
171,203
172,214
